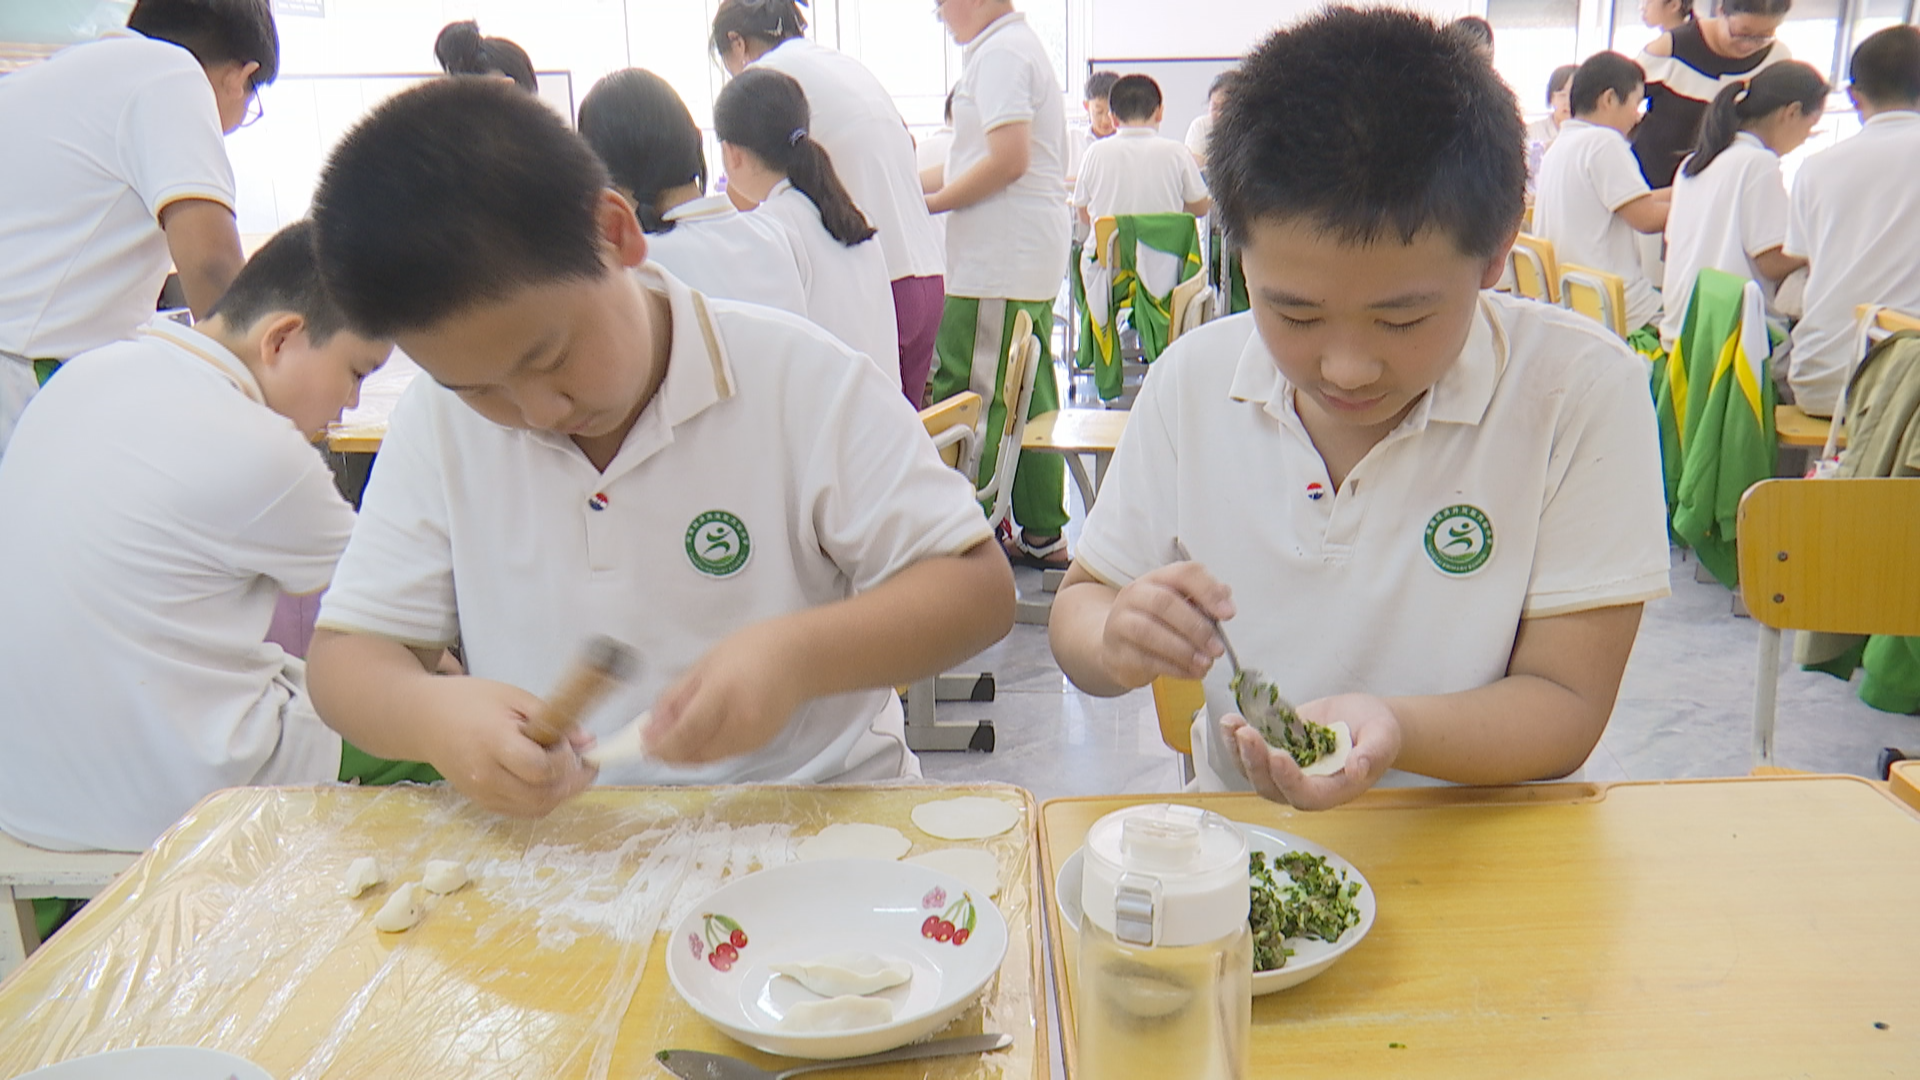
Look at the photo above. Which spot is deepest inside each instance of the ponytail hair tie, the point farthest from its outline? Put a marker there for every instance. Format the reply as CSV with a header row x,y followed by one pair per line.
x,y
1746,88
798,134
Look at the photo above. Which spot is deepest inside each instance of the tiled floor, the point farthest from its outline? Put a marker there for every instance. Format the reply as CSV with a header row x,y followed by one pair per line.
x,y
1685,710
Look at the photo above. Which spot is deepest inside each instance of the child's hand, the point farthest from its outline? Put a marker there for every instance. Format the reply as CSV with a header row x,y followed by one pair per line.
x,y
1158,625
1273,773
482,749
732,701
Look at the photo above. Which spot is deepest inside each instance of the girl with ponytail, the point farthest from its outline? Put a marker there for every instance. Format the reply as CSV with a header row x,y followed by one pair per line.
x,y
773,161
462,51
651,146
1729,199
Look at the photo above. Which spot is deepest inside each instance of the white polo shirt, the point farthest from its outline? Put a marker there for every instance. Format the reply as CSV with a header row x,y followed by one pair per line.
x,y
1198,133
854,117
1138,172
155,510
1588,173
1012,245
1525,484
1735,209
99,139
848,292
728,255
775,471
1855,214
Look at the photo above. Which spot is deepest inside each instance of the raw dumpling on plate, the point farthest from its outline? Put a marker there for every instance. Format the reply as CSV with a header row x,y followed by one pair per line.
x,y
847,973
846,1013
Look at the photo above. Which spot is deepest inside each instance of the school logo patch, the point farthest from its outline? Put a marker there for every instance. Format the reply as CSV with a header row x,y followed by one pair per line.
x,y
1459,539
718,544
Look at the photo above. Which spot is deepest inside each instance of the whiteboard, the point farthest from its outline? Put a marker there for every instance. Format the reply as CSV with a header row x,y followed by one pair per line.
x,y
1183,85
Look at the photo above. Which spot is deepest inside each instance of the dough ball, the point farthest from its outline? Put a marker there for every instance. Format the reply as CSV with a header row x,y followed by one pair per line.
x,y
1331,764
362,874
979,869
402,909
854,841
443,876
971,817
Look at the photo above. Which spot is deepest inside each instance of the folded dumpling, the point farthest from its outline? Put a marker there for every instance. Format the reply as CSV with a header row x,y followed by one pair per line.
x,y
847,973
845,1013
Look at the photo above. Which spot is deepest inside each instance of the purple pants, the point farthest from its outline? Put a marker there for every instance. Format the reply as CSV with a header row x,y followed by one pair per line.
x,y
917,303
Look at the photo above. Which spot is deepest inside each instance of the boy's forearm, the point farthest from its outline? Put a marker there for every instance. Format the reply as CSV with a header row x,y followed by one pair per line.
x,y
1519,728
928,617
363,686
1075,630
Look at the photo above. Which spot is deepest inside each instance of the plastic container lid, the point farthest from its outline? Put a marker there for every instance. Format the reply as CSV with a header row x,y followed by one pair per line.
x,y
1165,875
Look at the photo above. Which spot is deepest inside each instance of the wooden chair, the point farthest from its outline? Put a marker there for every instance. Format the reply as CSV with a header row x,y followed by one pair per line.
x,y
29,873
1598,295
1192,305
1536,273
1795,427
1840,556
1174,703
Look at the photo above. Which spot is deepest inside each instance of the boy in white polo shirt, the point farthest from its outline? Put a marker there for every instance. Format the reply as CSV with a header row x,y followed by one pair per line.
x,y
1435,509
729,490
116,166
1855,217
1590,197
1137,171
163,492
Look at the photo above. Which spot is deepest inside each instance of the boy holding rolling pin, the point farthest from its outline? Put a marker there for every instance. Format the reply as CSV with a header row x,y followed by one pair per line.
x,y
601,451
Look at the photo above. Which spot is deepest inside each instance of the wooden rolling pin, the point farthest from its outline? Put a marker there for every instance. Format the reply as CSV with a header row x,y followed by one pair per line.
x,y
603,665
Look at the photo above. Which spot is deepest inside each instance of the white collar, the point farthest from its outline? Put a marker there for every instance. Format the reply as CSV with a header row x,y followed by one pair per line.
x,y
1893,116
1141,132
1751,139
203,348
705,208
988,31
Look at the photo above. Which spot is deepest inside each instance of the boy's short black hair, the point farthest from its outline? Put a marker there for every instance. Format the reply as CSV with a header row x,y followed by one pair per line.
x,y
1601,72
1134,98
1885,69
1474,29
282,276
215,31
1370,124
1099,85
451,194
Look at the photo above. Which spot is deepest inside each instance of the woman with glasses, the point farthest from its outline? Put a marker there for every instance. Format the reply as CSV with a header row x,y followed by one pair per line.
x,y
1688,66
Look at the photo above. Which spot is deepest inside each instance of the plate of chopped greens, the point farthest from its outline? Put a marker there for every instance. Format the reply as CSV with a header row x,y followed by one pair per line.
x,y
1309,906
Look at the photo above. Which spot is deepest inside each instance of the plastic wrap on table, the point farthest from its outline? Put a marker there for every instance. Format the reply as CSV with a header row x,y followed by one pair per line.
x,y
235,933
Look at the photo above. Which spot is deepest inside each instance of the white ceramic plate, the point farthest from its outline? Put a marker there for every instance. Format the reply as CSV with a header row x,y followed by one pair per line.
x,y
802,911
154,1063
1309,957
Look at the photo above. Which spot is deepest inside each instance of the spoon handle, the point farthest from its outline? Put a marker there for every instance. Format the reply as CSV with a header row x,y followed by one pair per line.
x,y
1220,631
965,1044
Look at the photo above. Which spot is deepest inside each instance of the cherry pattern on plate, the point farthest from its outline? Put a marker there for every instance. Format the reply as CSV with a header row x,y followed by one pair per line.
x,y
720,941
954,923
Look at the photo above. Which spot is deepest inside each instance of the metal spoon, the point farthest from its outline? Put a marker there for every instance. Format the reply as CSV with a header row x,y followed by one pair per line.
x,y
696,1065
1259,699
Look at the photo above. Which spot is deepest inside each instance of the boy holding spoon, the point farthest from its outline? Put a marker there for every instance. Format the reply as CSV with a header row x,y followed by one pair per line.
x,y
1439,507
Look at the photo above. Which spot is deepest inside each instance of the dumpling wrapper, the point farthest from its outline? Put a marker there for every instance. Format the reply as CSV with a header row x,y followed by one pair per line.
x,y
848,1012
970,817
1331,764
855,840
847,973
402,910
622,746
979,869
443,876
362,874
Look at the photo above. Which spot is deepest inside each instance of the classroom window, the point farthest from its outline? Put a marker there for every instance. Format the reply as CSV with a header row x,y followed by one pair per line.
x,y
1530,39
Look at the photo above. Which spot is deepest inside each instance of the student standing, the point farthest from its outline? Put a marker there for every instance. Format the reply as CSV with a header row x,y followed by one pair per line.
x,y
1687,67
855,120
1542,132
1729,200
1431,511
1591,198
1137,171
600,450
1096,102
461,50
1202,127
647,138
1007,243
1665,15
1855,216
762,121
116,168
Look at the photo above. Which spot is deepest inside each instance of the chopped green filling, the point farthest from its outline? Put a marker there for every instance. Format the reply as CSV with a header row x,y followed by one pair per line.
x,y
1316,902
1276,723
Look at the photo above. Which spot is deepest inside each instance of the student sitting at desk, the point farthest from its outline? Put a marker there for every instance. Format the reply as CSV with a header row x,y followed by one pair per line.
x,y
1855,217
647,138
1591,198
1138,171
1436,509
1729,201
731,491
762,120
115,166
163,493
